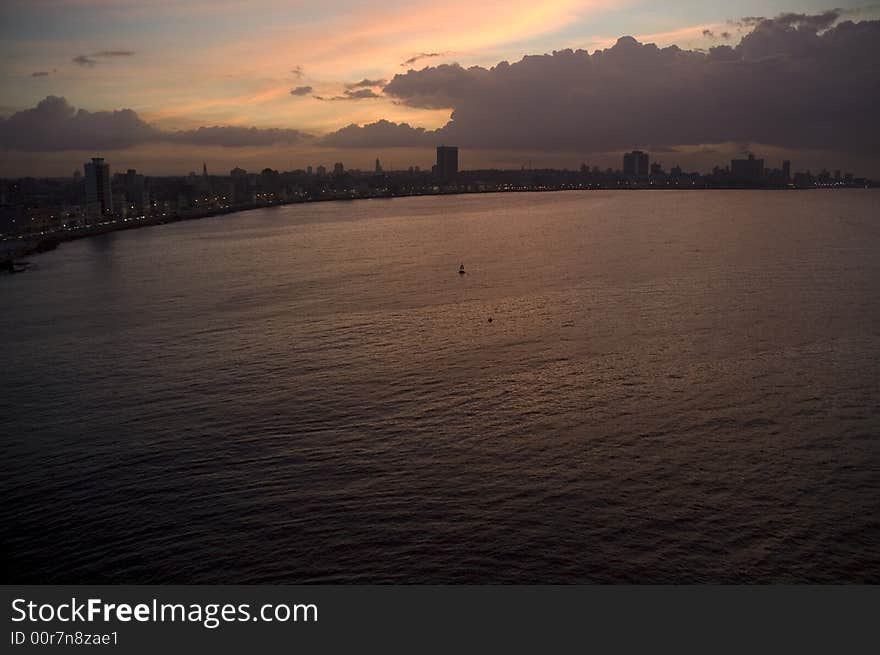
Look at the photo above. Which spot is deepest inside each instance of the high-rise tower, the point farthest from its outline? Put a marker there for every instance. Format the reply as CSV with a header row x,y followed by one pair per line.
x,y
99,197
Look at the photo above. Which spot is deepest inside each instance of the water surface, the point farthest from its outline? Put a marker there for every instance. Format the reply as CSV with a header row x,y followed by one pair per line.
x,y
674,387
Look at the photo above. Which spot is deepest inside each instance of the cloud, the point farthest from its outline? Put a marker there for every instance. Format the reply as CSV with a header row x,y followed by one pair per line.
x,y
114,53
301,91
440,87
351,94
796,81
362,90
420,56
360,94
383,132
748,21
811,23
55,125
84,60
366,83
40,74
297,72
92,59
233,136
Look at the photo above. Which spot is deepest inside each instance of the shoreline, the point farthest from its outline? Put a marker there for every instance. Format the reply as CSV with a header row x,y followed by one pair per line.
x,y
28,245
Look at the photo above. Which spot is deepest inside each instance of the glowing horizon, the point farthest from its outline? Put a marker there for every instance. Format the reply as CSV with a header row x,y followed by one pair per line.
x,y
181,66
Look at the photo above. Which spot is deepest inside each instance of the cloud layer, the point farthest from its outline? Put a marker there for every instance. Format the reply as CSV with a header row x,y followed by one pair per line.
x,y
389,134
54,125
796,81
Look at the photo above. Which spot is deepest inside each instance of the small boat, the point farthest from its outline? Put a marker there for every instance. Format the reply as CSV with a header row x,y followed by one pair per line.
x,y
461,270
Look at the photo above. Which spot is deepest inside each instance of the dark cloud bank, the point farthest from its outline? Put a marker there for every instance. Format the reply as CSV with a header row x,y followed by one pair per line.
x,y
796,81
55,125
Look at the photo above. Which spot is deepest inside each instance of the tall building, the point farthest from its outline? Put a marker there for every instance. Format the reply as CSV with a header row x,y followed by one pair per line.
x,y
240,190
747,171
338,169
205,183
447,162
786,170
133,186
378,169
636,164
99,196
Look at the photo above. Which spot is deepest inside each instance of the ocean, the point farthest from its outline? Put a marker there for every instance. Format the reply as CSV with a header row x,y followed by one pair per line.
x,y
624,387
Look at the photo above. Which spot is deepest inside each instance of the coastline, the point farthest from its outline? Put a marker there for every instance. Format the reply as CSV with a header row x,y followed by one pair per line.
x,y
15,249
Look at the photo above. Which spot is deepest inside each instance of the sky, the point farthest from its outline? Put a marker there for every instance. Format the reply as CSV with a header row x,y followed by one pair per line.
x,y
163,85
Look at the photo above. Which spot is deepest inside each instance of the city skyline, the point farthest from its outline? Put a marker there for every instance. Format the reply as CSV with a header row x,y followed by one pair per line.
x,y
728,82
97,200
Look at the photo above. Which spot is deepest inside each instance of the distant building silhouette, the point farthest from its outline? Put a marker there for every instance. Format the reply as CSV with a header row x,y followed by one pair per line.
x,y
134,188
99,197
205,183
747,171
338,169
786,171
239,187
636,164
447,162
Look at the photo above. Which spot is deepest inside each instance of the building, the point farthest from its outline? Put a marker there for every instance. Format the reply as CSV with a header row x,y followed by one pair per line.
x,y
338,169
205,183
447,162
240,188
747,171
636,164
99,197
378,169
786,171
134,188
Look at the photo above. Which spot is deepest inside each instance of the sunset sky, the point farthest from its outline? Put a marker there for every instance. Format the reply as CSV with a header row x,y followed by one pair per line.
x,y
310,69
